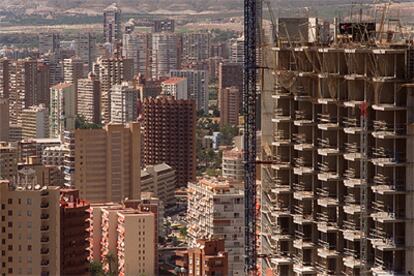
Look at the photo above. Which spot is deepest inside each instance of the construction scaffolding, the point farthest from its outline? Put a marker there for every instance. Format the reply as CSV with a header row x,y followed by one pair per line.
x,y
340,125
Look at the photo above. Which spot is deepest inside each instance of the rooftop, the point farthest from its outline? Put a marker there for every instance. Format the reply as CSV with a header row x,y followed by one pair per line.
x,y
171,81
61,86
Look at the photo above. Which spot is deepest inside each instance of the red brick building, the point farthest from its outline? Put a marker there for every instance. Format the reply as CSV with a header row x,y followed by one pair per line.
x,y
169,135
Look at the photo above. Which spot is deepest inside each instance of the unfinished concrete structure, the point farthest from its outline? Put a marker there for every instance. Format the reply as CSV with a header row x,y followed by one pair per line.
x,y
311,131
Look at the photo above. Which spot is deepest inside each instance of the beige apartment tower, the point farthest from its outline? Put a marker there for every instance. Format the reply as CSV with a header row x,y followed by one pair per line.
x,y
108,163
8,161
4,120
127,233
31,234
311,129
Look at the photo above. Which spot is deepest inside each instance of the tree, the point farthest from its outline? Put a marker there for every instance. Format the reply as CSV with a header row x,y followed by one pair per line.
x,y
228,132
96,269
183,232
80,122
112,261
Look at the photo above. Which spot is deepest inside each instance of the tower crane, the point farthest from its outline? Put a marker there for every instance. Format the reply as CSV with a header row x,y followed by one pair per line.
x,y
249,112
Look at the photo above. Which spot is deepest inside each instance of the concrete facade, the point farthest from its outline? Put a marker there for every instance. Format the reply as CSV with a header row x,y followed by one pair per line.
x,y
312,132
35,122
169,135
216,211
161,180
107,163
62,109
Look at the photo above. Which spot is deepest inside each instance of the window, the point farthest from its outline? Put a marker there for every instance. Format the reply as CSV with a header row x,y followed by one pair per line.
x,y
29,213
29,201
10,201
29,248
10,213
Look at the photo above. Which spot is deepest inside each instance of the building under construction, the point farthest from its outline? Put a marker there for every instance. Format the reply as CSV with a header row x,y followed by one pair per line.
x,y
337,134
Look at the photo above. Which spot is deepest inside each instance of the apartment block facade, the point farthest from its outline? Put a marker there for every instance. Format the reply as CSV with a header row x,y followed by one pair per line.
x,y
216,211
169,135
107,162
321,215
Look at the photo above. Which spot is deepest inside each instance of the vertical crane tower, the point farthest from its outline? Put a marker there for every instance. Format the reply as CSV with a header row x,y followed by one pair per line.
x,y
249,112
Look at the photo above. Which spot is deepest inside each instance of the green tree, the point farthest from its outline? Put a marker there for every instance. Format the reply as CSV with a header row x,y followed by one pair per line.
x,y
183,232
96,269
112,261
80,122
228,133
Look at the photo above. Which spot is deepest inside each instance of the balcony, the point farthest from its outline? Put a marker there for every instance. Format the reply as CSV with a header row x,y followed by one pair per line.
x,y
44,216
44,262
44,251
44,239
44,228
44,205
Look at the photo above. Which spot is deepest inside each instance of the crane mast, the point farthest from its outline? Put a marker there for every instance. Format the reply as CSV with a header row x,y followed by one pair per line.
x,y
364,189
249,112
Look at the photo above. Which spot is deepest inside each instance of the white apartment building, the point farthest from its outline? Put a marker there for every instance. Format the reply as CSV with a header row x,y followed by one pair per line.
x,y
216,211
176,87
35,122
124,99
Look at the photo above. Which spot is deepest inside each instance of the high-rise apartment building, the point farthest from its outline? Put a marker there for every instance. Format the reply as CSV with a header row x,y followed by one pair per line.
x,y
216,211
89,99
112,24
62,109
169,135
148,88
124,100
108,162
233,165
340,109
4,78
196,47
72,70
4,120
31,236
111,71
35,147
35,122
237,50
127,233
230,74
220,49
229,106
45,230
55,65
74,233
197,85
176,87
8,161
136,46
46,175
49,42
29,85
86,48
160,180
163,25
164,56
207,257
